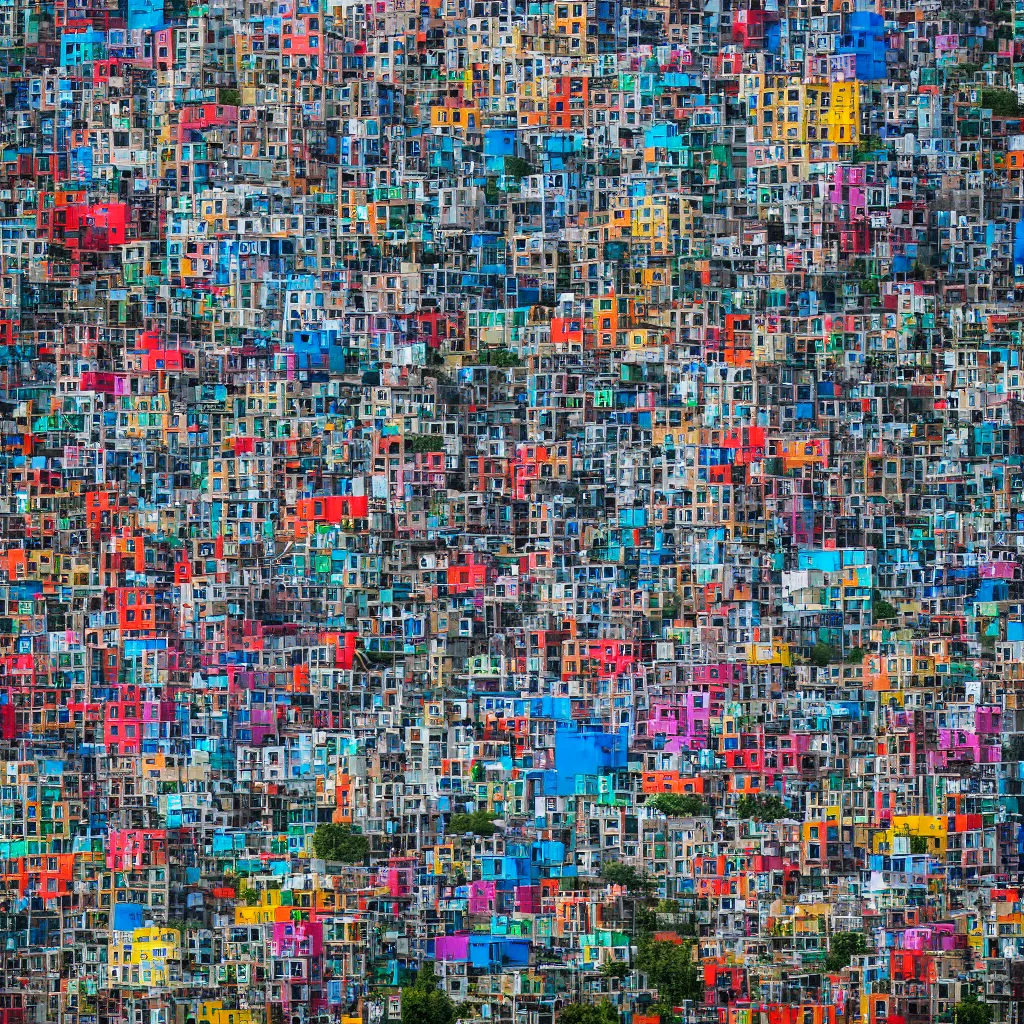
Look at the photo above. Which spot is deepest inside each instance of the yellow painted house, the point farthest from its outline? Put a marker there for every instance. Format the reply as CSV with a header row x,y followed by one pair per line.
x,y
444,859
264,912
215,1012
153,949
462,118
773,652
842,118
650,222
931,827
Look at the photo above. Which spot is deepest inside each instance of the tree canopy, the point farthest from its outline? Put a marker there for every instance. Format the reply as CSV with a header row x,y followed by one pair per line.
x,y
339,842
670,968
679,805
1002,102
477,823
424,1003
617,873
584,1013
823,654
971,1010
842,948
761,807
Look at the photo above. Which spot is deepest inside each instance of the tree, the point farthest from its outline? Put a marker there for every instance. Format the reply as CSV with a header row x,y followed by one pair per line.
x,y
842,948
583,1013
645,919
250,897
970,1010
615,969
918,844
761,807
881,609
670,969
518,168
424,1003
1002,102
339,842
477,823
822,655
499,357
679,805
617,873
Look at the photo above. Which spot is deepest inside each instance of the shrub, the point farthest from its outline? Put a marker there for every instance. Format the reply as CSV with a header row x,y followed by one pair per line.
x,y
424,443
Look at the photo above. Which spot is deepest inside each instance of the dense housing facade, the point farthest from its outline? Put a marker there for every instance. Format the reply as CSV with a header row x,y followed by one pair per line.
x,y
409,410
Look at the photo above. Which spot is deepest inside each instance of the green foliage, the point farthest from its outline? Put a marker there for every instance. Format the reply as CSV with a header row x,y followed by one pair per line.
x,y
250,897
424,443
478,823
970,1010
855,655
614,969
645,921
662,1009
229,97
881,609
1002,102
922,271
822,655
867,148
918,844
842,947
379,657
499,357
679,805
617,873
424,1003
670,969
582,1013
761,807
339,842
518,168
